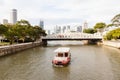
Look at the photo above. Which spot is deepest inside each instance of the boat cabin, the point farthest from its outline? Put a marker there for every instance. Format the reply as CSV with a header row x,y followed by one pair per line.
x,y
62,56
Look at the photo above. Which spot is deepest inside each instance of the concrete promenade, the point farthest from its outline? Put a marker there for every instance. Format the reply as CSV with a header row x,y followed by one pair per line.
x,y
9,49
115,44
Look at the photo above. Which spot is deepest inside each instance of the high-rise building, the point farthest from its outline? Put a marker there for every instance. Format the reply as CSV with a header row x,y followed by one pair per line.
x,y
41,24
57,29
85,26
79,28
48,32
5,21
68,27
14,16
63,29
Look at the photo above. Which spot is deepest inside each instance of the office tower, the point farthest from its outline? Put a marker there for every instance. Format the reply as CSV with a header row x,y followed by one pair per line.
x,y
57,29
85,26
48,32
79,28
68,27
41,24
5,21
14,16
63,29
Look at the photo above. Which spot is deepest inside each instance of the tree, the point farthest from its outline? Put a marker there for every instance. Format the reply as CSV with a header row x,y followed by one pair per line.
x,y
23,28
11,33
3,29
36,32
110,25
89,30
114,34
23,22
100,25
116,20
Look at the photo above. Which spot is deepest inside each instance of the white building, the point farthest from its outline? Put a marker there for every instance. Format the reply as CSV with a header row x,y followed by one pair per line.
x,y
41,24
5,21
85,26
13,16
79,29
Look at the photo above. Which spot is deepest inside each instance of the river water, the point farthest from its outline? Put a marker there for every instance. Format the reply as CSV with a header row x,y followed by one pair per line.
x,y
89,62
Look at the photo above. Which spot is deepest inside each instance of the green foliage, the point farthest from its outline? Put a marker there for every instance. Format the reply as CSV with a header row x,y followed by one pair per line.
x,y
23,22
114,34
35,32
109,25
3,29
116,20
22,30
89,30
11,33
100,25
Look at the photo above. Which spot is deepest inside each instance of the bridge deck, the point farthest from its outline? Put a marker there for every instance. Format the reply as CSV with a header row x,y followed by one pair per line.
x,y
50,39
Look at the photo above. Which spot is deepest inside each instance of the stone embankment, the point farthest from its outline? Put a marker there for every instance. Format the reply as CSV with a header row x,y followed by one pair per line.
x,y
115,44
9,49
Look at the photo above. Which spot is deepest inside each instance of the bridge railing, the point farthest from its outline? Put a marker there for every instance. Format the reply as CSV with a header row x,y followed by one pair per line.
x,y
72,36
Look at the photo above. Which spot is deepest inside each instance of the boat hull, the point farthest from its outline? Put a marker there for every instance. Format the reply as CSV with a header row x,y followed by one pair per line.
x,y
55,62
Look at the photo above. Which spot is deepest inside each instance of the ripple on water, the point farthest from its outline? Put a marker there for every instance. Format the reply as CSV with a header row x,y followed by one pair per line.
x,y
89,62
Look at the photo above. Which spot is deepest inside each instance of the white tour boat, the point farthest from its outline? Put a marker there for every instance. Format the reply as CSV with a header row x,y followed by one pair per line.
x,y
62,56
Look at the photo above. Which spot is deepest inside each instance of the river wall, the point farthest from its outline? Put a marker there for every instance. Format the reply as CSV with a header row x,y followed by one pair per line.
x,y
9,49
115,44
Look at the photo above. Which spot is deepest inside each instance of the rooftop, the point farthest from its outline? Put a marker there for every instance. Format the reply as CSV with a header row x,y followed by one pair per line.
x,y
62,49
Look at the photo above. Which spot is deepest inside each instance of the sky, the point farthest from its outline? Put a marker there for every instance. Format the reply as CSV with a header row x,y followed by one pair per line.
x,y
61,12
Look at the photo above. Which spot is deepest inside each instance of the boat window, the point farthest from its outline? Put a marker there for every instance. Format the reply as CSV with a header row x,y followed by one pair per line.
x,y
60,54
66,54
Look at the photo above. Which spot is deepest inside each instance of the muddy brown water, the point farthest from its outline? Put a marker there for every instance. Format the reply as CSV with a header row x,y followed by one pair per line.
x,y
89,62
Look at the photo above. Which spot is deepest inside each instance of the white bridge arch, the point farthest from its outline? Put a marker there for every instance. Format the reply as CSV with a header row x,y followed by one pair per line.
x,y
74,35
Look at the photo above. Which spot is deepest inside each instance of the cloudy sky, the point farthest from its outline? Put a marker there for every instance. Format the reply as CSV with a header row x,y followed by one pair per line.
x,y
61,12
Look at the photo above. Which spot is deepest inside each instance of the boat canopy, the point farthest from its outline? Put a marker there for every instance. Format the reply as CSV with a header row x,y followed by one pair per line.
x,y
62,50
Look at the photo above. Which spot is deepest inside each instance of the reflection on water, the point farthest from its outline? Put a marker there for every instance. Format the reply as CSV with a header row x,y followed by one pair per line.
x,y
89,62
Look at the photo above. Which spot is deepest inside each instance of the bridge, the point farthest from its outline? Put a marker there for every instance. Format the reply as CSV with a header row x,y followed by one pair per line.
x,y
73,36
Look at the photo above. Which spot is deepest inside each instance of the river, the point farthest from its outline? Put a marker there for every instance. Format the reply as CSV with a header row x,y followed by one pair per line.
x,y
89,62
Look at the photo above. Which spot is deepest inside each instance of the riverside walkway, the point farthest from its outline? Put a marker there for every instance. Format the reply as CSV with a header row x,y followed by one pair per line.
x,y
115,44
9,49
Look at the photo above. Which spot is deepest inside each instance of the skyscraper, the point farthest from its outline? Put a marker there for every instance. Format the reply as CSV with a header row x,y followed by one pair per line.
x,y
85,26
14,16
79,28
63,29
5,21
68,27
41,24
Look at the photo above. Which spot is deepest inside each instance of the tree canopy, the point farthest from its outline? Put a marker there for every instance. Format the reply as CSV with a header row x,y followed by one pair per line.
x,y
3,29
20,31
114,34
100,25
110,25
89,30
116,20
